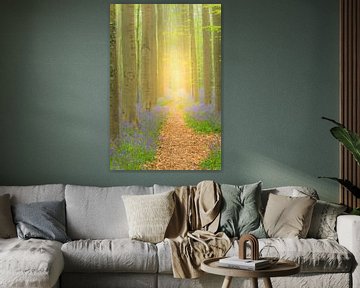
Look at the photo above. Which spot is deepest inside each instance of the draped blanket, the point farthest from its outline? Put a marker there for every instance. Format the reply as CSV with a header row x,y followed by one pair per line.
x,y
191,232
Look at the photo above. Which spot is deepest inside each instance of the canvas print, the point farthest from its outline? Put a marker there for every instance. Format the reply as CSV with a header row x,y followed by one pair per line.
x,y
165,86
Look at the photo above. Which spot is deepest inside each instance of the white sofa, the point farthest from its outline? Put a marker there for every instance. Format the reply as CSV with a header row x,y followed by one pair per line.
x,y
101,255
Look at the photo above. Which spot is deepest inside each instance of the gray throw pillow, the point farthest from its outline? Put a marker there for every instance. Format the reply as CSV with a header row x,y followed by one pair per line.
x,y
240,213
7,227
323,222
44,220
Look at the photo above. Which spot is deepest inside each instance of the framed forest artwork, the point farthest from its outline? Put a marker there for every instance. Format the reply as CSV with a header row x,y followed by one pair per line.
x,y
165,86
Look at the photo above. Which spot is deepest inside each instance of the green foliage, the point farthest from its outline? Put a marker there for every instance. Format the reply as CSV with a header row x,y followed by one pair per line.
x,y
355,211
351,141
213,28
213,161
137,144
134,156
164,101
203,126
347,184
348,138
214,8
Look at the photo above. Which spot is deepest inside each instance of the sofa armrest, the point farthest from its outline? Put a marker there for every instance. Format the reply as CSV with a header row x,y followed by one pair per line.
x,y
348,230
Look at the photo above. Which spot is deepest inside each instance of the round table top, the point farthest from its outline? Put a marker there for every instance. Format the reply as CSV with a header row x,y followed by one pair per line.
x,y
281,268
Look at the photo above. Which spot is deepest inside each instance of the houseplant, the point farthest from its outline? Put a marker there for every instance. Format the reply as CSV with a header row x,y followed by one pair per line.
x,y
351,142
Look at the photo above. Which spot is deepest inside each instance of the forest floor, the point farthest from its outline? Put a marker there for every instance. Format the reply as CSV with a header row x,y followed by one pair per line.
x,y
181,148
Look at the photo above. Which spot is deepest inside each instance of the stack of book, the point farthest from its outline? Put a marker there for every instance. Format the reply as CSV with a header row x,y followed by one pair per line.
x,y
236,262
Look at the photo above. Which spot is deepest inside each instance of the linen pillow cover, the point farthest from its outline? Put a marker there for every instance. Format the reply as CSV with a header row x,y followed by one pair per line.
x,y
323,222
288,217
240,213
44,220
7,226
149,215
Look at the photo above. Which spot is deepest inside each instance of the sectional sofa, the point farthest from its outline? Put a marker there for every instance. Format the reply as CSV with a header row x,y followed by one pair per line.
x,y
100,253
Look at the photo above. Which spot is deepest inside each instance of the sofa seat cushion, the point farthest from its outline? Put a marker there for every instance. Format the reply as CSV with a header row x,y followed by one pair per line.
x,y
313,255
30,263
115,255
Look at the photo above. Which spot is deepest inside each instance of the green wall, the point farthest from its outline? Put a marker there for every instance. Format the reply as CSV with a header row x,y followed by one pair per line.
x,y
280,75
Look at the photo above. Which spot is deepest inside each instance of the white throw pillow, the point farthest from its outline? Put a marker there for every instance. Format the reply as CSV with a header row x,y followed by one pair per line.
x,y
149,215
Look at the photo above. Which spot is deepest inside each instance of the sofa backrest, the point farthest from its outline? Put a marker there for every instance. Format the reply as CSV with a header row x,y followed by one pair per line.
x,y
293,191
163,188
36,193
98,212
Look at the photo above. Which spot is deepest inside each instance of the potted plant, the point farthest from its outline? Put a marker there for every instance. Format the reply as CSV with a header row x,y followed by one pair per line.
x,y
351,141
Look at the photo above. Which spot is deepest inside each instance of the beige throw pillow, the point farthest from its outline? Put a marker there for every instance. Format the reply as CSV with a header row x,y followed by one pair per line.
x,y
288,217
7,226
149,215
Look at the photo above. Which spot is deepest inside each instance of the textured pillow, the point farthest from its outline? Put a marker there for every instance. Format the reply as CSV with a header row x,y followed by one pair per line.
x,y
7,227
323,222
291,191
44,220
288,217
240,210
149,215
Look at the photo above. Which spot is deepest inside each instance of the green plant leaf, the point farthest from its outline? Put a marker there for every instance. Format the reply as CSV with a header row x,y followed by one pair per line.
x,y
348,138
347,184
355,211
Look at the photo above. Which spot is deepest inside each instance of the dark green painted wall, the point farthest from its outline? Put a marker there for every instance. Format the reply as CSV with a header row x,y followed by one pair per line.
x,y
280,75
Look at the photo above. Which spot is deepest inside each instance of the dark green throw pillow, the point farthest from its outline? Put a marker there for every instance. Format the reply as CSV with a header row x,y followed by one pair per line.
x,y
43,220
240,210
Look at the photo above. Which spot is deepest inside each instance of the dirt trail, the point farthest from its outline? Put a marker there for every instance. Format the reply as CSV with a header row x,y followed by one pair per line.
x,y
180,147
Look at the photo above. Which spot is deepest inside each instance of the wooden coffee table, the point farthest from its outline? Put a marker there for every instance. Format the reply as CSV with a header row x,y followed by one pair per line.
x,y
281,268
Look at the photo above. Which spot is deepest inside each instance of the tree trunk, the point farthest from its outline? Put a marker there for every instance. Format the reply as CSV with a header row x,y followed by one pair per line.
x,y
148,56
160,50
114,77
129,63
194,68
217,59
207,67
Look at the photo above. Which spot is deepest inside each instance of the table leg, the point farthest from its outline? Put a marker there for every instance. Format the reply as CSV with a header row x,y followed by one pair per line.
x,y
227,282
254,282
267,283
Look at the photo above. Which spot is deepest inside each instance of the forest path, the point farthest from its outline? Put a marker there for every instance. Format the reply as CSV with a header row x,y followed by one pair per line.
x,y
181,148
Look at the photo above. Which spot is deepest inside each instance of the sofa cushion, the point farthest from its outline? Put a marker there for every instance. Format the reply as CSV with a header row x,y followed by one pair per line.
x,y
149,215
240,210
163,188
313,255
323,222
30,263
36,193
43,220
164,257
98,213
287,216
291,191
116,255
7,226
